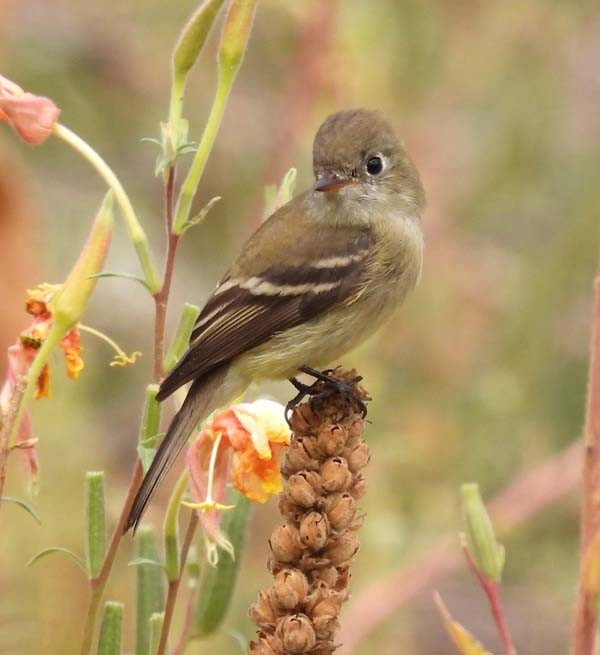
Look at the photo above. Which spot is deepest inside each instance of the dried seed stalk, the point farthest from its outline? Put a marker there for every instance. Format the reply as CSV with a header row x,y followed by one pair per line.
x,y
311,552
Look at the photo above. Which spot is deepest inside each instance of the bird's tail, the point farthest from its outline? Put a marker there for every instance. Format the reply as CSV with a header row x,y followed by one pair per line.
x,y
204,396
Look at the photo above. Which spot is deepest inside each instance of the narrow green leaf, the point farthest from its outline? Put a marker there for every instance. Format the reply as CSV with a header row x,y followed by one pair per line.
x,y
95,522
149,588
21,503
138,561
201,215
59,549
181,339
149,427
109,642
125,276
218,583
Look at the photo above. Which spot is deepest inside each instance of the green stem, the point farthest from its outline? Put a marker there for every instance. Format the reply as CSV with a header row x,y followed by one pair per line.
x,y
136,232
190,184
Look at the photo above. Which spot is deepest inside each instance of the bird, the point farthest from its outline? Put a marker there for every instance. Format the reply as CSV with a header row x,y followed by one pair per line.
x,y
318,277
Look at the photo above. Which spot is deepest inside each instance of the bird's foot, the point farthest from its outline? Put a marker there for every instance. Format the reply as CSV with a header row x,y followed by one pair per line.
x,y
323,387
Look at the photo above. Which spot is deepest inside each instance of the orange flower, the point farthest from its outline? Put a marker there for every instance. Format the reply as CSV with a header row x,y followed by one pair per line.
x,y
39,305
32,117
242,443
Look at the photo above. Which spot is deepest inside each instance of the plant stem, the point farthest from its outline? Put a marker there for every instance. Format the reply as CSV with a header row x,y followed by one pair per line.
x,y
586,609
491,589
174,584
134,229
161,298
190,184
186,630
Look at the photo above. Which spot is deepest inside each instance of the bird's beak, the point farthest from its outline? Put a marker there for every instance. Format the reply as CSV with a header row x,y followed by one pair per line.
x,y
332,182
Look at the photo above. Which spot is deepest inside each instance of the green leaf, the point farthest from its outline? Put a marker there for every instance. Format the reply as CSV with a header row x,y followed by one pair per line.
x,y
59,549
125,276
201,215
218,582
181,339
21,503
140,561
148,139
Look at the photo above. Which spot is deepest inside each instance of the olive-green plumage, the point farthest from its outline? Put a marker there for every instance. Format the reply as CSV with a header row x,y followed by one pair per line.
x,y
317,278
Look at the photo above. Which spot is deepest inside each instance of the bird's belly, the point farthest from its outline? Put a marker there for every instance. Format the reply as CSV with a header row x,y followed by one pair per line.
x,y
318,342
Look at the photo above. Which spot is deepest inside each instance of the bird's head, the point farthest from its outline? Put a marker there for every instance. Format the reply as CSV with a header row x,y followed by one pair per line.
x,y
357,156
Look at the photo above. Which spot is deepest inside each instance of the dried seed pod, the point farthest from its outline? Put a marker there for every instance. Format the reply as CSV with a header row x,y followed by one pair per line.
x,y
298,459
290,589
304,488
335,475
297,634
314,530
340,550
311,553
288,508
332,439
267,644
328,574
358,456
285,543
359,486
311,445
263,612
341,510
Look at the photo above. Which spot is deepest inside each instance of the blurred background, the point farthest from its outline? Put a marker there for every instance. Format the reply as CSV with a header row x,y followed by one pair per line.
x,y
480,377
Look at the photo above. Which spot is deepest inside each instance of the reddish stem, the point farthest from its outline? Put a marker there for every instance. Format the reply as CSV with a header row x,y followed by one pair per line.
x,y
174,584
586,609
491,589
161,299
186,630
98,584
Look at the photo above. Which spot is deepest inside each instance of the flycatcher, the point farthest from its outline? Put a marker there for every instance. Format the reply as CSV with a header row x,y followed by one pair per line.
x,y
317,278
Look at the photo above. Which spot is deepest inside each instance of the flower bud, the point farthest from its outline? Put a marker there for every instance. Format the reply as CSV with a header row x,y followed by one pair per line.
x,y
290,588
341,510
297,634
289,509
342,549
332,439
70,302
487,553
285,543
302,419
262,611
358,457
314,530
192,38
31,117
335,475
236,31
304,488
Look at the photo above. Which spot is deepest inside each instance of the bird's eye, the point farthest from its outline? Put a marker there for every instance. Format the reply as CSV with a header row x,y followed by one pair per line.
x,y
374,165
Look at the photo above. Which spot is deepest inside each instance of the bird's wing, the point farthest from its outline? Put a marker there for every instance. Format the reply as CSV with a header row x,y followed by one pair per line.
x,y
246,310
